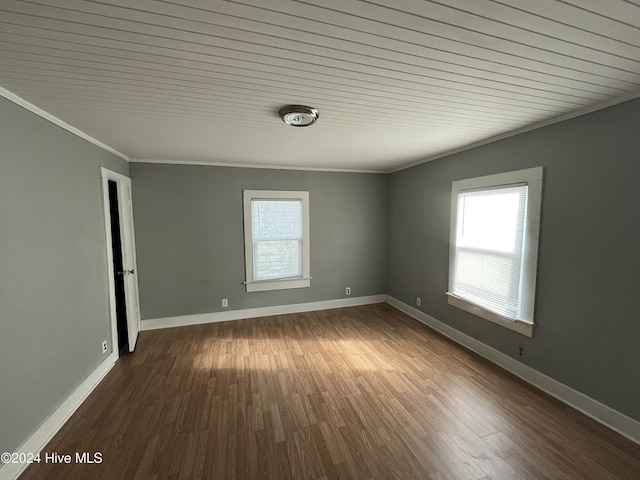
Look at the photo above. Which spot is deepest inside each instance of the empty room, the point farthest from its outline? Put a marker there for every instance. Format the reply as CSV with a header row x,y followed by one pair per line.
x,y
333,239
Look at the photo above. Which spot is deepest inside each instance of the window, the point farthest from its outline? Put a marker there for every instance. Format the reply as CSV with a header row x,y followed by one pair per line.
x,y
495,222
276,240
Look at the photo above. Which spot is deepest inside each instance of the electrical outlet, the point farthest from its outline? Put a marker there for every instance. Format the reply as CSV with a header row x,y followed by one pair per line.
x,y
347,290
225,302
521,351
104,346
418,301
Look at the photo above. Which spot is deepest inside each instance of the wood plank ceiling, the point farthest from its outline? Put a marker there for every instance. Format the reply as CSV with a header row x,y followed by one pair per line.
x,y
396,82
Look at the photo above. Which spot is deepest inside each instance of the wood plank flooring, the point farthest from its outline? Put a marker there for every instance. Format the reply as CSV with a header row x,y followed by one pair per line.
x,y
353,393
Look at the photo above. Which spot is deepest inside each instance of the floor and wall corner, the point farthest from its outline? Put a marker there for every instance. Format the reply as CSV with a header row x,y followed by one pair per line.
x,y
384,235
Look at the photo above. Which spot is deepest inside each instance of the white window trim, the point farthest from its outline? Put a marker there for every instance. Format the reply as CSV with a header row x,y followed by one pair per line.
x,y
303,281
533,178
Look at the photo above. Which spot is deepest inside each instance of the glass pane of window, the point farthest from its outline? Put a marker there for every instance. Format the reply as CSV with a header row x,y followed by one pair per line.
x,y
489,280
277,238
491,219
489,245
277,259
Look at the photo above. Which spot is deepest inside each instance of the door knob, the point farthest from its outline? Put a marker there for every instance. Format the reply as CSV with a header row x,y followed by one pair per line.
x,y
126,272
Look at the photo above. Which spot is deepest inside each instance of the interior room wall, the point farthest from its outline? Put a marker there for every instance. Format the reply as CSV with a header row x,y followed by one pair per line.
x,y
586,312
375,233
190,237
54,310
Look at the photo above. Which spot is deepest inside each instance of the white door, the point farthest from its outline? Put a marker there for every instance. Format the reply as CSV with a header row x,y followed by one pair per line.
x,y
129,261
129,271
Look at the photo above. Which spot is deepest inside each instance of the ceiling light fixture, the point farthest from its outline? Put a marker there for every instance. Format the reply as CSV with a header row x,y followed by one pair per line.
x,y
298,115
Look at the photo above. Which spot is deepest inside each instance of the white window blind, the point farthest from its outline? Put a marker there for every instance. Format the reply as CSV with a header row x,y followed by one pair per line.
x,y
277,239
489,246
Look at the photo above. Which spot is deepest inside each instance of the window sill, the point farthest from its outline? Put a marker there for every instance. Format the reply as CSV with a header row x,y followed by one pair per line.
x,y
519,326
283,284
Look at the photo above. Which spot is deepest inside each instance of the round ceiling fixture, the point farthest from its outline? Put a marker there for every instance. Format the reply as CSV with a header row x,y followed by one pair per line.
x,y
298,115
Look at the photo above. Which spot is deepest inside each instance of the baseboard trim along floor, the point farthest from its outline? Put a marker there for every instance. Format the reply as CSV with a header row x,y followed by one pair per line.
x,y
36,442
198,319
624,425
616,421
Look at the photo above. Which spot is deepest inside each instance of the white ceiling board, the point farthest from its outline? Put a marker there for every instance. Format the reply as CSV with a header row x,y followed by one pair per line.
x,y
201,81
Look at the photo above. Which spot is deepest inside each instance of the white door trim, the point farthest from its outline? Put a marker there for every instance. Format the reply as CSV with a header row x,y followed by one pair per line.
x,y
122,181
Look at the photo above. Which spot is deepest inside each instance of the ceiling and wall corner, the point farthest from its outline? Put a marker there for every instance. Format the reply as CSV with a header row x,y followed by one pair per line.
x,y
56,121
195,81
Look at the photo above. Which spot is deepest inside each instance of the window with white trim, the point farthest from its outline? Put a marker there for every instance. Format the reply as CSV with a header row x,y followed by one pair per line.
x,y
276,240
495,223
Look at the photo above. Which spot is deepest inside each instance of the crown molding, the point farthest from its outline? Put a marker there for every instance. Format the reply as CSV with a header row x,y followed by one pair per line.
x,y
528,128
254,165
55,120
561,118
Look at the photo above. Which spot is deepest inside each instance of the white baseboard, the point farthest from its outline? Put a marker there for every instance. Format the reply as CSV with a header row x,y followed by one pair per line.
x,y
36,442
625,426
184,320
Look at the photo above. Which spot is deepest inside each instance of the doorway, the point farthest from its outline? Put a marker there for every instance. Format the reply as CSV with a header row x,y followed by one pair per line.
x,y
121,261
118,269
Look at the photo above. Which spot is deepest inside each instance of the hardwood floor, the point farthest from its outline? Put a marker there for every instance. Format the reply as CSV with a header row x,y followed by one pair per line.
x,y
362,392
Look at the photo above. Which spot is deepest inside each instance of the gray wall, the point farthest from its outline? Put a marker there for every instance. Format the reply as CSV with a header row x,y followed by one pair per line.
x,y
189,236
53,277
588,326
375,233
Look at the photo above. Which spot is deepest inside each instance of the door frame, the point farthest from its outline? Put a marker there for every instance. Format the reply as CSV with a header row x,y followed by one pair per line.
x,y
122,181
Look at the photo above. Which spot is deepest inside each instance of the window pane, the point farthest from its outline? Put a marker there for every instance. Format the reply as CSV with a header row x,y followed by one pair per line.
x,y
489,280
491,219
278,259
276,219
489,244
277,238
